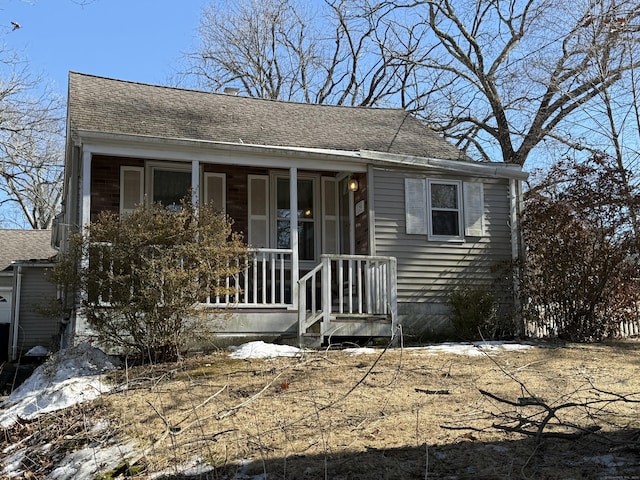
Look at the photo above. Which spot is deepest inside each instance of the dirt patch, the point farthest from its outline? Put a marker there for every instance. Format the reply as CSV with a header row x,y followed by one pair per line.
x,y
397,414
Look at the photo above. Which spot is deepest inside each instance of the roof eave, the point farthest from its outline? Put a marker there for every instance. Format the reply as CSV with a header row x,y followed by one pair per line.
x,y
497,170
355,158
93,138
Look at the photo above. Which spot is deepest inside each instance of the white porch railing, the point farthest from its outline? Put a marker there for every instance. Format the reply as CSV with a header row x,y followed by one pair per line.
x,y
347,285
263,282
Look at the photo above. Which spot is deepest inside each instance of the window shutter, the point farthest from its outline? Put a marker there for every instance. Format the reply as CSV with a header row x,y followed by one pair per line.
x,y
473,209
215,190
329,215
131,188
415,201
258,211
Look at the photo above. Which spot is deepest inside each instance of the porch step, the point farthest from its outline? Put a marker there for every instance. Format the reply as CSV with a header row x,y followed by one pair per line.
x,y
347,317
311,340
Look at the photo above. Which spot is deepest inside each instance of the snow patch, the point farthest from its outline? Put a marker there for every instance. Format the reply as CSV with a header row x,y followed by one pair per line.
x,y
71,376
88,462
37,351
261,349
361,351
472,349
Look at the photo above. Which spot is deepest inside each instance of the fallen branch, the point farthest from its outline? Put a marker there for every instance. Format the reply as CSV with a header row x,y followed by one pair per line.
x,y
537,427
432,392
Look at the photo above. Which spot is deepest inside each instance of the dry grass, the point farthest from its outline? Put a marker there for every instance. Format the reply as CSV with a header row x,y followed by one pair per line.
x,y
403,413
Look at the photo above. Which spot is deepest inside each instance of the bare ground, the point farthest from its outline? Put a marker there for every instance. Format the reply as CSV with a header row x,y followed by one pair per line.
x,y
549,412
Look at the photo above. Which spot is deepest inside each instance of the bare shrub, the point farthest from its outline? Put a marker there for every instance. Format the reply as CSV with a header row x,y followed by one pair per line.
x,y
581,250
142,277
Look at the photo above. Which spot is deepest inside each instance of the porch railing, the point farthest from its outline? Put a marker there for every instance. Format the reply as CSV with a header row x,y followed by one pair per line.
x,y
263,282
346,285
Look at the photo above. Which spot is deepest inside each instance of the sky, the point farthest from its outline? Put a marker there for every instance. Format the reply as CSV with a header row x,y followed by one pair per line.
x,y
137,40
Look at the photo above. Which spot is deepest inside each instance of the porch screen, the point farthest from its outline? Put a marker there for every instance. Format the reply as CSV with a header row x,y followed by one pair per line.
x,y
170,187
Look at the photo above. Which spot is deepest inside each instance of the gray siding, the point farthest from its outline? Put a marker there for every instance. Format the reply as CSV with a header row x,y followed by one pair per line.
x,y
36,328
6,281
428,271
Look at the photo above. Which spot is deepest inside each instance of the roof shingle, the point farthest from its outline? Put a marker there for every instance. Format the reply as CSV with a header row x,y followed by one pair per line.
x,y
24,245
114,106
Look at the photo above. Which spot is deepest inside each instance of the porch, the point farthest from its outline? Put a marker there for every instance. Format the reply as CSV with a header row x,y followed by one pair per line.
x,y
309,219
344,295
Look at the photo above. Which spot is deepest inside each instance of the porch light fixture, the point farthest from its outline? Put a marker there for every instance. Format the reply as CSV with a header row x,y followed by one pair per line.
x,y
353,185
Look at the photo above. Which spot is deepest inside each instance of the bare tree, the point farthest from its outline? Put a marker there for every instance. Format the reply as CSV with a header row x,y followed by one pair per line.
x,y
499,79
508,76
31,147
280,49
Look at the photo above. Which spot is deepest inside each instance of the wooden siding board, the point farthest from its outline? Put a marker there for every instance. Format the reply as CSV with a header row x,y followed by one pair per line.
x,y
427,270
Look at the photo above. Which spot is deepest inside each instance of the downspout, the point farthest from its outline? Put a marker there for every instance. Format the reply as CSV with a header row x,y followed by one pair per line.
x,y
516,250
16,313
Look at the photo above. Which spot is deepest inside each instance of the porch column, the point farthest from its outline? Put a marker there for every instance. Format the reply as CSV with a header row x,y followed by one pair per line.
x,y
85,200
80,326
195,183
293,229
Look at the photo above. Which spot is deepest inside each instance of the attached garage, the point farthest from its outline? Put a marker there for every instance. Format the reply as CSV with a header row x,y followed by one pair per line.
x,y
25,293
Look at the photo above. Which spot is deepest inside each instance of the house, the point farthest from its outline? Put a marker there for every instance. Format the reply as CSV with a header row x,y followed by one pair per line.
x,y
25,293
390,218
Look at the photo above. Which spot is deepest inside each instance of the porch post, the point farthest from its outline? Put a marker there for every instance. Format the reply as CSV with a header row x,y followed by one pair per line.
x,y
79,326
195,183
293,231
85,215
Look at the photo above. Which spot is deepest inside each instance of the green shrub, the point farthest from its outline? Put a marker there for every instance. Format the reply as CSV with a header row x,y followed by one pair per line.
x,y
474,313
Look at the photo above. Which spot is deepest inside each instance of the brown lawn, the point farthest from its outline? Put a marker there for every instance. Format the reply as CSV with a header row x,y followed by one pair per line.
x,y
549,412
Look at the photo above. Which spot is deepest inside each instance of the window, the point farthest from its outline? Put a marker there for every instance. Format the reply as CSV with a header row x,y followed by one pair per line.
x,y
436,208
444,209
170,186
306,216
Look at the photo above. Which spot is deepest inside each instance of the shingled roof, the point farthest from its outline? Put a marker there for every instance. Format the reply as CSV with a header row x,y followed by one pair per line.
x,y
101,104
24,245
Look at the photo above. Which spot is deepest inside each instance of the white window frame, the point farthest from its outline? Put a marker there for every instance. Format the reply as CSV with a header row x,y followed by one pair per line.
x,y
418,209
459,210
